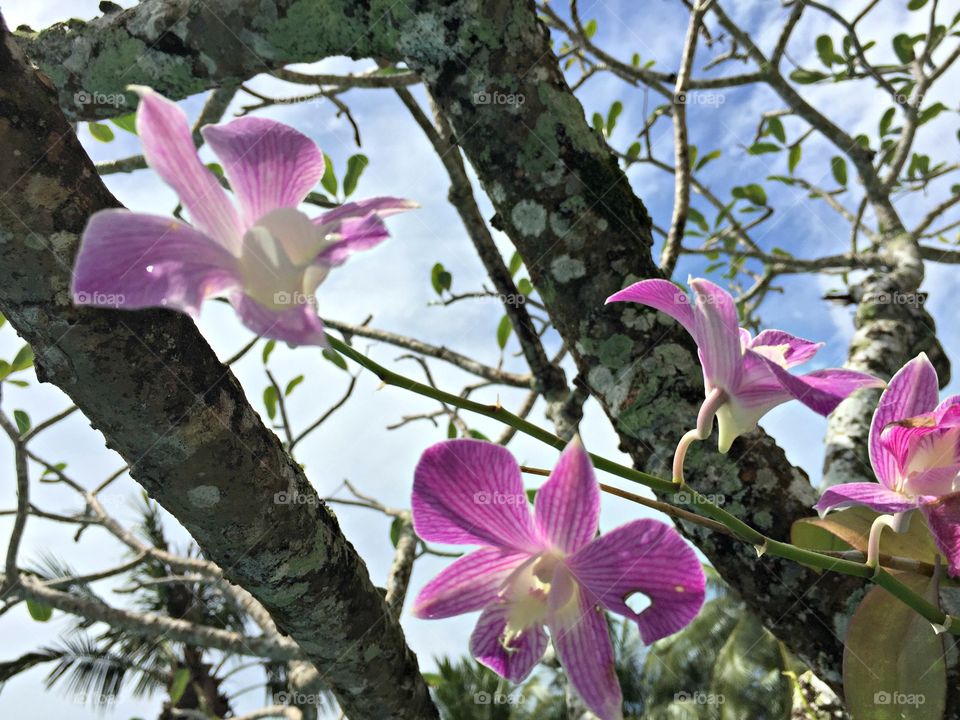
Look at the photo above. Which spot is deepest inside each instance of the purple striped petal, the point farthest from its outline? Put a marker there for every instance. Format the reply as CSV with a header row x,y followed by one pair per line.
x,y
169,150
873,495
644,556
914,390
469,492
777,343
582,641
924,443
132,260
568,504
662,295
717,333
294,325
487,646
943,518
382,206
357,226
269,165
470,583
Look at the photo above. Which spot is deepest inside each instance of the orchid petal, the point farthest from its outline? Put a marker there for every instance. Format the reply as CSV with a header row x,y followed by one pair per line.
x,y
943,518
469,492
924,442
471,583
381,206
777,343
650,557
295,325
914,390
662,295
169,150
487,644
582,640
567,506
873,495
353,235
717,333
269,165
132,260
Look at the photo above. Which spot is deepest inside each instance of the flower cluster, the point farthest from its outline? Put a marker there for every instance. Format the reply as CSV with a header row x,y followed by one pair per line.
x,y
538,571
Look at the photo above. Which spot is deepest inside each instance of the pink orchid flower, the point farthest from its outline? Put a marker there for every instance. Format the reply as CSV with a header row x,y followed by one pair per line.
x,y
915,453
266,256
547,569
745,376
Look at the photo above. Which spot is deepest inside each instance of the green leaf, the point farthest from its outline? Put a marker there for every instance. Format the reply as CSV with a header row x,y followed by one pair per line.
x,y
713,155
22,420
23,360
38,611
752,192
100,132
525,286
597,122
903,47
178,686
440,278
292,384
267,349
697,218
763,147
590,29
516,262
335,357
355,166
893,661
270,401
451,430
503,331
825,50
612,114
916,4
806,77
887,120
126,122
477,435
395,527
775,128
838,166
329,179
793,157
216,169
928,114
633,152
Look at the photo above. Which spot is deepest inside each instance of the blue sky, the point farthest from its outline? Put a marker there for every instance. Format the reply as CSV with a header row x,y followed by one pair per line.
x,y
392,283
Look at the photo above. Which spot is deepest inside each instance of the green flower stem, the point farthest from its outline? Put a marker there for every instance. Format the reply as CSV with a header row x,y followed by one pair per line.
x,y
763,544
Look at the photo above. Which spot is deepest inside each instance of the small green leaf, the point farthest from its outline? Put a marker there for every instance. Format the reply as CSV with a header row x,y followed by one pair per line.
x,y
633,152
697,218
440,278
477,435
451,430
752,192
270,401
355,167
503,331
23,360
597,122
178,686
267,349
838,166
887,120
292,384
590,29
916,4
713,155
763,147
329,179
395,528
793,157
903,47
38,611
928,114
825,50
100,132
807,77
216,169
525,286
335,357
516,262
126,122
612,114
22,420
775,128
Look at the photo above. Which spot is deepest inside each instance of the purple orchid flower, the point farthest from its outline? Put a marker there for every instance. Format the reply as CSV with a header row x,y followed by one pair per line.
x,y
266,256
745,376
915,453
546,570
